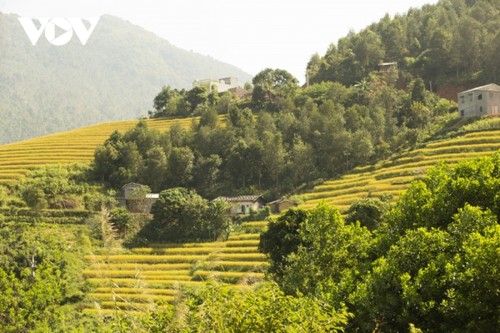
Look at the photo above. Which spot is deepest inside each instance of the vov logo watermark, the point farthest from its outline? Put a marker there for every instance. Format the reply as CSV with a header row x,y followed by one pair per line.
x,y
66,26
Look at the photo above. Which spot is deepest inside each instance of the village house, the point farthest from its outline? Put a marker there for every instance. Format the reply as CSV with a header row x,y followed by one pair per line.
x,y
221,85
243,204
479,101
136,204
279,206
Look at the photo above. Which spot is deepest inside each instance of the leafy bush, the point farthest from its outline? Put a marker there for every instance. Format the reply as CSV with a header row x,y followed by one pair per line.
x,y
182,215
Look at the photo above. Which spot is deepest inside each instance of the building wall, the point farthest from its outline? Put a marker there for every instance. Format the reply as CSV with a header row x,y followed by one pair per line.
x,y
493,101
478,103
243,207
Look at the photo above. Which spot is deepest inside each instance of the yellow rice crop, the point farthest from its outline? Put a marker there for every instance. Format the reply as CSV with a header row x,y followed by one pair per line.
x,y
239,256
181,274
145,267
130,297
243,243
69,147
144,291
244,236
145,258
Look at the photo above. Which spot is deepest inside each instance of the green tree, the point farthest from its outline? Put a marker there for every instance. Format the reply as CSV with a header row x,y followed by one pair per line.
x,y
182,215
163,102
281,239
265,308
271,83
180,166
330,259
369,212
154,171
195,97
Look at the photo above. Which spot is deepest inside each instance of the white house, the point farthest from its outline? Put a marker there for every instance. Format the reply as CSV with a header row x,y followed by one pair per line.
x,y
479,101
243,204
221,85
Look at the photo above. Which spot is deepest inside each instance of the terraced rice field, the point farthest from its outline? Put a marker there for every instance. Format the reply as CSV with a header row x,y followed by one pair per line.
x,y
395,176
148,276
75,146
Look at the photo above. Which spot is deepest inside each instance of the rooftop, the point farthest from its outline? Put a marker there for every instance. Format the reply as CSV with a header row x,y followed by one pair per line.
x,y
488,87
241,198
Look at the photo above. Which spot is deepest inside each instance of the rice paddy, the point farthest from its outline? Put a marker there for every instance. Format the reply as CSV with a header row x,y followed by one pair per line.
x,y
75,146
394,177
147,276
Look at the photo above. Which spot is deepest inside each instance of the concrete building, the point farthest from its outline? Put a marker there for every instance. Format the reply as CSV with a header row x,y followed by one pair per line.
x,y
479,101
221,85
279,206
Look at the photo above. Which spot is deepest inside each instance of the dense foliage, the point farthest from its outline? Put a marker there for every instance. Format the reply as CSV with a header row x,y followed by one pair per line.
x,y
429,263
41,285
452,42
182,215
433,261
61,187
298,135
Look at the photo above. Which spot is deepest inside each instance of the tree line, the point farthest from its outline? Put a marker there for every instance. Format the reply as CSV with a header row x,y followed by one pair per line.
x,y
453,42
277,139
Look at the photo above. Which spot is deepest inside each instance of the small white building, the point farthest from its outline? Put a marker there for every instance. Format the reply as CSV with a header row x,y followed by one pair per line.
x,y
221,85
243,204
479,101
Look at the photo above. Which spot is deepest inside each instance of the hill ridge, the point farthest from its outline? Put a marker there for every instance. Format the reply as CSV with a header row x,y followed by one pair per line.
x,y
115,76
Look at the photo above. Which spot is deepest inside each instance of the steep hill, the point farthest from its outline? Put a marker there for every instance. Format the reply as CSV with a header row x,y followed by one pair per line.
x,y
392,177
454,43
136,279
75,146
115,76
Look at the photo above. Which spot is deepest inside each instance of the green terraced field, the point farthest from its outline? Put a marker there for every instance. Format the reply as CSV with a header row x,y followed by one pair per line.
x,y
393,177
148,275
76,146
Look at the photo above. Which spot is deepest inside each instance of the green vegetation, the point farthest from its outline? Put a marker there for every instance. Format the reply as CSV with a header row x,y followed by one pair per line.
x,y
41,285
432,262
76,146
453,42
181,215
424,260
283,138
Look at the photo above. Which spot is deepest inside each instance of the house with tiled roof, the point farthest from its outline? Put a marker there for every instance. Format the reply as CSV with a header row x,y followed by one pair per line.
x,y
243,204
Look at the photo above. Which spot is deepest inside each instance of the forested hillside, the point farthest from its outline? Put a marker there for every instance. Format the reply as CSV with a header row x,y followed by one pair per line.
x,y
455,42
115,76
279,139
411,244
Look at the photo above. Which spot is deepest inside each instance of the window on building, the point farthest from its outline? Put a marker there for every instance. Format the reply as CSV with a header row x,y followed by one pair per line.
x,y
480,96
481,109
462,113
462,99
470,97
